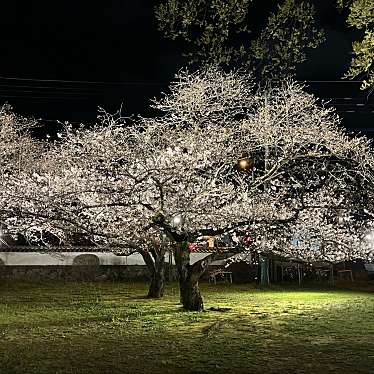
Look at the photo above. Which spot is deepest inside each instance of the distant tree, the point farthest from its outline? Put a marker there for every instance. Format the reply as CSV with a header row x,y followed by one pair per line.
x,y
288,34
18,152
217,33
208,26
361,17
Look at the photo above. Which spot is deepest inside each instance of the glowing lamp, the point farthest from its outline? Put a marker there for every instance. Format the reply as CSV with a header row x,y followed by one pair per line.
x,y
244,163
177,220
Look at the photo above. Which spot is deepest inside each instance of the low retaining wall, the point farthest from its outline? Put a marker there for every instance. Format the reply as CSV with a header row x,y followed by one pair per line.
x,y
75,272
81,272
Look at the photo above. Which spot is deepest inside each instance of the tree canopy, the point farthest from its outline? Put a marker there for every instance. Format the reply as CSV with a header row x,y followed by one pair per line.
x,y
222,32
218,33
361,17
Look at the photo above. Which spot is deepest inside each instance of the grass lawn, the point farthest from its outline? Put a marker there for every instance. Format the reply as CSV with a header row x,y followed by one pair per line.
x,y
48,328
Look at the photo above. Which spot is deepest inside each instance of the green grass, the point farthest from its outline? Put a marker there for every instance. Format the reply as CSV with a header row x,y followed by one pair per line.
x,y
111,328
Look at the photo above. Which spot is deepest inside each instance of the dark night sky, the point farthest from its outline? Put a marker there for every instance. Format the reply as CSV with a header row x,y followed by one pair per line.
x,y
54,49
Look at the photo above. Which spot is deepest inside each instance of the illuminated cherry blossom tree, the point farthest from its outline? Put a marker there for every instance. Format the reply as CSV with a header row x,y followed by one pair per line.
x,y
18,152
295,144
222,157
80,189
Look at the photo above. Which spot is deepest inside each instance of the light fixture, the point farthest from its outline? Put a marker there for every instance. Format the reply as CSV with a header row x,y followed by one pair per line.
x,y
244,163
177,220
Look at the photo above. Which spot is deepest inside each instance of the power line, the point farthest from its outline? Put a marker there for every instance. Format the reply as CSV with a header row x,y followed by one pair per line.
x,y
20,91
20,86
132,83
45,97
143,83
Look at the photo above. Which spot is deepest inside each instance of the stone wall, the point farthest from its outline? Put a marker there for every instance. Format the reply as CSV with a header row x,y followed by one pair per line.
x,y
76,272
81,272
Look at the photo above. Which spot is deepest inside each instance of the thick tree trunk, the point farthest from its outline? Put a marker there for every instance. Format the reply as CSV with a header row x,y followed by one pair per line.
x,y
157,286
191,298
264,266
155,262
189,276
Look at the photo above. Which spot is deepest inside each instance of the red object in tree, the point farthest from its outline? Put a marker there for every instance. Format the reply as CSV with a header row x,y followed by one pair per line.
x,y
192,247
248,240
